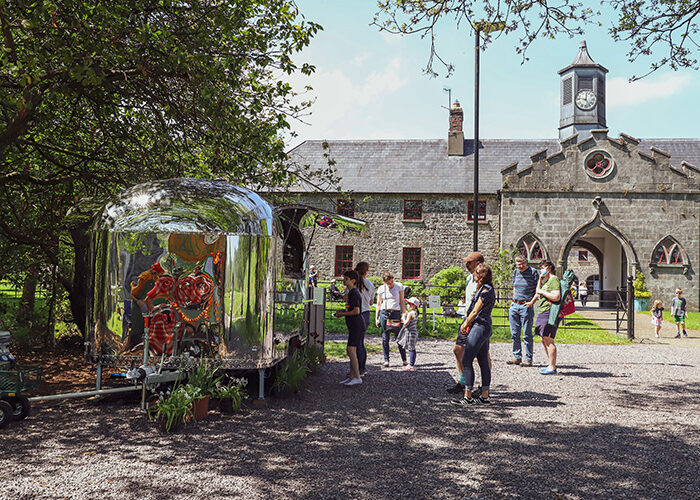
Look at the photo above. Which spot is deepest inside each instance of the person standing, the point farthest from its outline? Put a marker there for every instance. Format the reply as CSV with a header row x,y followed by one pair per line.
x,y
408,336
390,306
583,293
366,289
548,291
353,320
478,329
678,311
657,317
521,312
313,276
471,261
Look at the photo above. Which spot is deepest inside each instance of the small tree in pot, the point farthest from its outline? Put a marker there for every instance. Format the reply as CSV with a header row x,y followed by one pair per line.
x,y
641,293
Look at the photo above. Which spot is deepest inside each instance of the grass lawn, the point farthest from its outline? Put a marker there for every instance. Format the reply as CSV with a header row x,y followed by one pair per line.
x,y
336,350
577,329
692,322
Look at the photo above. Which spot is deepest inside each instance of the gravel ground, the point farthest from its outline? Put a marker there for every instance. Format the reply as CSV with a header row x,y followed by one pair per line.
x,y
616,422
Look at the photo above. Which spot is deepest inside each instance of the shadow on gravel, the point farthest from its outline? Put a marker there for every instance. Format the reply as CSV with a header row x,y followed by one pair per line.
x,y
364,442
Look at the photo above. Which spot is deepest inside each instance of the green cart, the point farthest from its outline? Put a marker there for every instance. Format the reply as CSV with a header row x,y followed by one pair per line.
x,y
14,381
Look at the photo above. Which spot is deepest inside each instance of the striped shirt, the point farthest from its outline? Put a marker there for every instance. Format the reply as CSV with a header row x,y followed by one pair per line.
x,y
525,283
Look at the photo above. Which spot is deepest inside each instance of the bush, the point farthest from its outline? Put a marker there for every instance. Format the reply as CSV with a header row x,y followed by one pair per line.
x,y
449,284
640,286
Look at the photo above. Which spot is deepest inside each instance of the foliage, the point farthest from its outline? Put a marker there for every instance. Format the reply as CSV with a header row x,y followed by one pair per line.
x,y
291,374
449,284
376,281
640,286
174,406
204,378
98,96
503,267
645,24
234,390
312,357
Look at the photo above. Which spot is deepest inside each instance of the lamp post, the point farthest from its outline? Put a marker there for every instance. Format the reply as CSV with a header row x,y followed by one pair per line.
x,y
486,27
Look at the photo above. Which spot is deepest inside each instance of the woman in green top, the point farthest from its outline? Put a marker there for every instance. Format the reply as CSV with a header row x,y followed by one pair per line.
x,y
548,291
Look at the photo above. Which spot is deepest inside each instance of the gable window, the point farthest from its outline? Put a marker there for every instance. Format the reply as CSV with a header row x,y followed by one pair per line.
x,y
482,210
530,248
413,209
343,259
345,207
411,264
669,252
583,255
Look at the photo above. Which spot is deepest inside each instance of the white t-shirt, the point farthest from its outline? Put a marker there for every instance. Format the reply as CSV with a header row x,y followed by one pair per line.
x,y
390,297
470,289
582,289
367,295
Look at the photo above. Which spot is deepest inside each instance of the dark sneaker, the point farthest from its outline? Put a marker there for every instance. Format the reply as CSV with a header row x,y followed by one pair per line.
x,y
678,335
476,392
527,362
515,361
463,402
456,389
684,333
483,401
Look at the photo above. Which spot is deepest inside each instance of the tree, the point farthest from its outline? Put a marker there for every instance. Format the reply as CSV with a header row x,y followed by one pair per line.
x,y
645,24
97,96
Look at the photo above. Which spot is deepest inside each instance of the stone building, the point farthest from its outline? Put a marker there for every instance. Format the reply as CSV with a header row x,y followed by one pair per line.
x,y
622,203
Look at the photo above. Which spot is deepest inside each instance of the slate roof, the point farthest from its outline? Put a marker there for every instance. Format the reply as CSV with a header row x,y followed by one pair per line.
x,y
422,166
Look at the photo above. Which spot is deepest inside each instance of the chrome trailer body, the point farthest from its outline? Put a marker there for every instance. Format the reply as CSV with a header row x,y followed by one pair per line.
x,y
191,269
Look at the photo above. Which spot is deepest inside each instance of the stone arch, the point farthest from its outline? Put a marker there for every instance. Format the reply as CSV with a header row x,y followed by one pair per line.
x,y
534,242
670,243
598,221
595,251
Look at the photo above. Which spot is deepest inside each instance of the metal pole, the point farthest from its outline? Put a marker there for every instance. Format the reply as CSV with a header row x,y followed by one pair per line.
x,y
630,308
475,212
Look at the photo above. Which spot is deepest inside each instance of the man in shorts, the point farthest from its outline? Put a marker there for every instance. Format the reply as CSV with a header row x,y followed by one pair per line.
x,y
548,291
470,262
678,311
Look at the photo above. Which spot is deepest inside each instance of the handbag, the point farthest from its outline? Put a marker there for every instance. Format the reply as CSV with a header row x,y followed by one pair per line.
x,y
567,306
393,323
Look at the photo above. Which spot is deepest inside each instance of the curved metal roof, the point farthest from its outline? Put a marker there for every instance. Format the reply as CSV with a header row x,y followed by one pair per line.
x,y
187,206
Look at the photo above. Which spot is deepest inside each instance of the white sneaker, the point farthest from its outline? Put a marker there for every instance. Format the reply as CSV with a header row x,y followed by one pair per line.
x,y
386,364
344,382
354,381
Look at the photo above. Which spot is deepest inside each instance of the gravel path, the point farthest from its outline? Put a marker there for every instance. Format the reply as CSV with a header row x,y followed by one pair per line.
x,y
617,422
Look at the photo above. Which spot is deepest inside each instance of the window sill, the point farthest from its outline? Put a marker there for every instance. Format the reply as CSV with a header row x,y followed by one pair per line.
x,y
685,267
481,222
412,221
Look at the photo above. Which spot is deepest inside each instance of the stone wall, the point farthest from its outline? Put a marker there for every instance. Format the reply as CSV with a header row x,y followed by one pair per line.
x,y
444,235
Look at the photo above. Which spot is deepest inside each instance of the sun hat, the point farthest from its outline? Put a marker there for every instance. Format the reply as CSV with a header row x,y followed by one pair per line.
x,y
414,300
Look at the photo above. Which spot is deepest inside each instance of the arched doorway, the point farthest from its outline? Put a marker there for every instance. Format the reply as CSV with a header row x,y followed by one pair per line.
x,y
614,253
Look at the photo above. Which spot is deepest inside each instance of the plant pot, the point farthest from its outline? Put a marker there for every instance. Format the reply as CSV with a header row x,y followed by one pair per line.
x,y
163,423
641,304
201,407
214,403
226,406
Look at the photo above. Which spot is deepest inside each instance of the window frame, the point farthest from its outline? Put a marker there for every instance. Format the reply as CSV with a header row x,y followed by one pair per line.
x,y
420,218
470,204
404,266
582,253
664,250
337,262
345,207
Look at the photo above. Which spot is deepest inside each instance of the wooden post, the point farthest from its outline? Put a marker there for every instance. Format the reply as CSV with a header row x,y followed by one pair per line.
x,y
630,308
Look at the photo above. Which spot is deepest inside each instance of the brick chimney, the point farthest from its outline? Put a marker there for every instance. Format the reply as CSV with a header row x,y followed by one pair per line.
x,y
455,137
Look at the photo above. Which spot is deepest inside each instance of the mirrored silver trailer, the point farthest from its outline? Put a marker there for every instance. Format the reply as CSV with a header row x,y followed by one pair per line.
x,y
199,269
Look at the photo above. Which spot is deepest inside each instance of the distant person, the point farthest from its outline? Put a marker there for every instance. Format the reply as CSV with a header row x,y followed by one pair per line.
x,y
353,320
548,291
366,289
657,317
390,306
313,276
462,307
408,336
477,328
679,312
583,293
333,290
521,313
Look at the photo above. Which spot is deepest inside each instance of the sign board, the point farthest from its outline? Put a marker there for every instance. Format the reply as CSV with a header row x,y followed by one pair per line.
x,y
433,301
319,295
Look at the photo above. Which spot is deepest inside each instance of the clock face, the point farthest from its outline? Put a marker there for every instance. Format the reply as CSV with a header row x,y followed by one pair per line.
x,y
586,99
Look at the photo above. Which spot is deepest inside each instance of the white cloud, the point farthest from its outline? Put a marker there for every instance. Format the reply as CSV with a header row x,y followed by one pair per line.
x,y
621,92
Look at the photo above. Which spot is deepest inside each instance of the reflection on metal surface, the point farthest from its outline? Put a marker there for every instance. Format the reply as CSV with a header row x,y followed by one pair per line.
x,y
208,267
310,217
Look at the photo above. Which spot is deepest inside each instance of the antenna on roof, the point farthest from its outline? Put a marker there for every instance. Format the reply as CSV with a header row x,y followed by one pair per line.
x,y
449,98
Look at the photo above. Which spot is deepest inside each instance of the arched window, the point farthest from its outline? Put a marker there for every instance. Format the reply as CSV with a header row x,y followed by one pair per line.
x,y
531,248
668,253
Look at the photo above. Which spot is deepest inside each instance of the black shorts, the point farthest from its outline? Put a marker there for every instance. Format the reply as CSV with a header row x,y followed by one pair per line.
x,y
461,338
355,338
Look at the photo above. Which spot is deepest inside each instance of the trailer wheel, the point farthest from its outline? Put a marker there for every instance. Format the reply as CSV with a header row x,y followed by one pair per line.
x,y
5,414
20,407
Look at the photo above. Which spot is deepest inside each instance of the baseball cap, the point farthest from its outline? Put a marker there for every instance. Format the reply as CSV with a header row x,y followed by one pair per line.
x,y
474,257
414,300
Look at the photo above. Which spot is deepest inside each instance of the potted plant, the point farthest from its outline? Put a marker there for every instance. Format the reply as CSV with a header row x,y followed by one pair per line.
x,y
641,293
312,357
231,395
290,376
204,379
171,409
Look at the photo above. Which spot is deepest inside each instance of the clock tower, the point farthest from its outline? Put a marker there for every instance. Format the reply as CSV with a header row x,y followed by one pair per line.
x,y
582,104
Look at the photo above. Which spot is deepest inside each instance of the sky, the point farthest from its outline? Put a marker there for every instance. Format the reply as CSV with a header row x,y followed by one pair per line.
x,y
371,85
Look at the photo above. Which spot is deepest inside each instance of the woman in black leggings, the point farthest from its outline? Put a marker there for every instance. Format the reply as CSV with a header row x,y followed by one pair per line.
x,y
477,328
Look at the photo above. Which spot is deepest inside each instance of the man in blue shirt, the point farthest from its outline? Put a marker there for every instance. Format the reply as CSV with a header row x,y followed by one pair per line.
x,y
521,313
